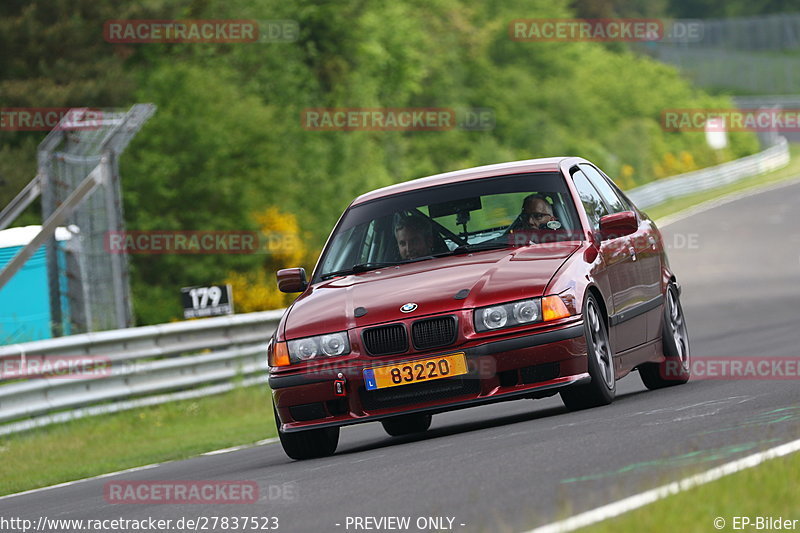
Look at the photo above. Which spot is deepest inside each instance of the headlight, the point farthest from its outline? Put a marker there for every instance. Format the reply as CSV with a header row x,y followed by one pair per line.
x,y
507,315
330,345
527,311
334,344
304,349
494,317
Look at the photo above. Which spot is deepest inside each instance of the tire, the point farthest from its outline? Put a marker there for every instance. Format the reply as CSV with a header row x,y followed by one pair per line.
x,y
398,426
675,369
308,444
602,389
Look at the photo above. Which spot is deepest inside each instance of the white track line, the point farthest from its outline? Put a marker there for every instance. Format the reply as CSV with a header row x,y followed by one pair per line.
x,y
75,482
640,500
242,447
137,468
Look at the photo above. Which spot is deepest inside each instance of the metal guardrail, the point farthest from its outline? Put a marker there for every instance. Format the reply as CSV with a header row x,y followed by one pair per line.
x,y
168,362
654,193
131,367
789,101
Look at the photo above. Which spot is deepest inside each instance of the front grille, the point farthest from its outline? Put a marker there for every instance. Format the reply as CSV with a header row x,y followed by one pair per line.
x,y
434,332
419,392
385,340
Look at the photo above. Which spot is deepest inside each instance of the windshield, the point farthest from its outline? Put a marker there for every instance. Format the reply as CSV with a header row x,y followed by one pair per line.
x,y
518,210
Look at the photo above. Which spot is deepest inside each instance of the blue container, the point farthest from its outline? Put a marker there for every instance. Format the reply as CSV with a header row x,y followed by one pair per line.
x,y
25,299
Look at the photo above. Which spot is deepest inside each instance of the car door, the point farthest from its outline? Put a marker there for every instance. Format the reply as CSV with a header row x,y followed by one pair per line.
x,y
620,269
645,252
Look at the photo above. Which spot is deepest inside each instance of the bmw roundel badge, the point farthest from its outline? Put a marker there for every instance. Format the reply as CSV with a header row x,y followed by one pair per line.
x,y
409,307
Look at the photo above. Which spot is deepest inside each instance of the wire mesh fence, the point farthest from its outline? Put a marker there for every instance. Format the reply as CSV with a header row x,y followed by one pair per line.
x,y
756,34
94,293
758,54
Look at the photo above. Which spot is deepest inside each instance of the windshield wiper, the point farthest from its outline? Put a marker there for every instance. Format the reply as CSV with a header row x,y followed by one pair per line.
x,y
355,269
477,247
462,249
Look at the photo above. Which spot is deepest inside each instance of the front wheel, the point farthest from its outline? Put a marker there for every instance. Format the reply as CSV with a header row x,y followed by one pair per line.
x,y
675,369
603,387
308,444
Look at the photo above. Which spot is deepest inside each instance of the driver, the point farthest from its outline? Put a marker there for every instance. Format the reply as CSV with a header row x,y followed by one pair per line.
x,y
414,237
537,213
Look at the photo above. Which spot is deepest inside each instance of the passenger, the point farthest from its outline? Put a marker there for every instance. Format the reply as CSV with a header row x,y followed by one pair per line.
x,y
414,237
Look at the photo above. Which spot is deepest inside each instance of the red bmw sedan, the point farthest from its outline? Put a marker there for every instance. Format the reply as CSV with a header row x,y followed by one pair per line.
x,y
518,280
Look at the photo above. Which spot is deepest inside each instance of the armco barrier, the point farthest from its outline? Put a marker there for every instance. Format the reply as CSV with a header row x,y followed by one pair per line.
x,y
164,363
654,193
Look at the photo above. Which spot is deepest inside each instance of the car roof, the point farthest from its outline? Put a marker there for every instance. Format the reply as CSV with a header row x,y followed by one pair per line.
x,y
547,164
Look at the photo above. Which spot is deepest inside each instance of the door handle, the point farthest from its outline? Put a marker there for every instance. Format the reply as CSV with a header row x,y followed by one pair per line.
x,y
632,250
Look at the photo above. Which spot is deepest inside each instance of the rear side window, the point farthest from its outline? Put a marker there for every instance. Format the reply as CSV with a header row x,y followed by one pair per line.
x,y
590,198
614,202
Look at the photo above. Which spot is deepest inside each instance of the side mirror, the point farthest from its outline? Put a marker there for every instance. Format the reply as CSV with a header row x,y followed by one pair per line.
x,y
618,225
292,280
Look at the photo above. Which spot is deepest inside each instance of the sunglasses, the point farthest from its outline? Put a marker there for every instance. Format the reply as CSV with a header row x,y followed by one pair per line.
x,y
536,215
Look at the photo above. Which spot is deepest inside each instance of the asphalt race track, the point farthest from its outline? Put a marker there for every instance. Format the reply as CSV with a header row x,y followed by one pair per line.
x,y
513,466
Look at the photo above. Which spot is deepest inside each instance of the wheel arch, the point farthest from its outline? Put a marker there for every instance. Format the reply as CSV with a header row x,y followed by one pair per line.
x,y
601,302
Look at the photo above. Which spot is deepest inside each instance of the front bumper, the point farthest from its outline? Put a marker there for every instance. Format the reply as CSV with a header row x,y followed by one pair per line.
x,y
532,365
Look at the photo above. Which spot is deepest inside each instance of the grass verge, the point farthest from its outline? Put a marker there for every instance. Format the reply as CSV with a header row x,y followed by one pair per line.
x,y
96,445
756,492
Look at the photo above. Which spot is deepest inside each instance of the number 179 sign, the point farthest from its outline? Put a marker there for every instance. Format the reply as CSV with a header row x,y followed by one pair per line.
x,y
213,300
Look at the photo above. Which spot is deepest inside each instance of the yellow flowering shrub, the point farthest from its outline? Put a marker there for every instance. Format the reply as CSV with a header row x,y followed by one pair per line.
x,y
625,179
282,247
670,165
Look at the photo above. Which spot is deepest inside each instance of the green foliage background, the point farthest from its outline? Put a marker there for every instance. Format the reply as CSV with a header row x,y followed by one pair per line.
x,y
227,140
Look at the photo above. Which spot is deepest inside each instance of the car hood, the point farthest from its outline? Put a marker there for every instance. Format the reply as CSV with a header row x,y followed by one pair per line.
x,y
489,277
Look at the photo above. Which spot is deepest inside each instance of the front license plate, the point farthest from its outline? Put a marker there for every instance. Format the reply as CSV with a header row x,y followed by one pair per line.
x,y
444,366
